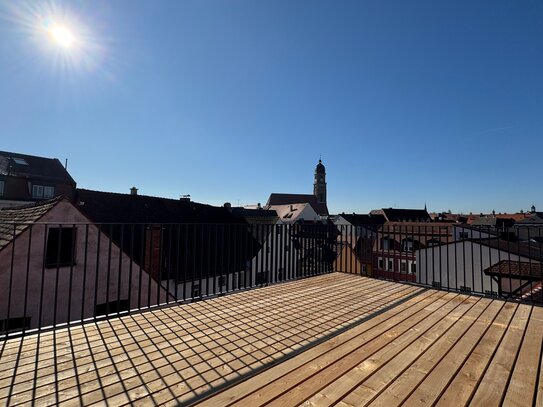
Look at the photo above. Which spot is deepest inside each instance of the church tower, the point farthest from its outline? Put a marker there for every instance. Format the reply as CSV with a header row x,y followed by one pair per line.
x,y
319,185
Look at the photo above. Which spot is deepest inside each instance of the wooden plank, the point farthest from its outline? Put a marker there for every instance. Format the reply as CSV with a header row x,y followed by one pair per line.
x,y
522,385
193,384
138,346
296,386
336,389
360,385
437,380
94,362
463,385
247,387
397,391
492,387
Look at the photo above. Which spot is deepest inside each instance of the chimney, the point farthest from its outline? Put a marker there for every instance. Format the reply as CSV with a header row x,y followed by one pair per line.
x,y
227,205
133,191
258,206
185,198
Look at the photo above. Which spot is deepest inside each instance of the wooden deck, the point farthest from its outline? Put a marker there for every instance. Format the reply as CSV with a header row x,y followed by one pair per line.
x,y
336,339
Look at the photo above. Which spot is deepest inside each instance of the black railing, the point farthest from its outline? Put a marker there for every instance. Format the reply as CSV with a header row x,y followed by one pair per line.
x,y
54,274
504,262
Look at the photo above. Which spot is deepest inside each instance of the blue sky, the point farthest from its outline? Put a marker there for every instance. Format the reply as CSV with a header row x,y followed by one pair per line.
x,y
408,102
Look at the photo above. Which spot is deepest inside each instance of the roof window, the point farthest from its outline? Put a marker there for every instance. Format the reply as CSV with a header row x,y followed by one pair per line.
x,y
20,161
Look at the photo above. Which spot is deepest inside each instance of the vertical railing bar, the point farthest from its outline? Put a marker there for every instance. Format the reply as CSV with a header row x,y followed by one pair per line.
x,y
72,261
28,253
120,269
529,262
85,264
130,266
97,270
185,261
45,235
177,263
215,258
222,249
169,265
150,271
160,263
108,277
11,267
141,265
57,275
229,255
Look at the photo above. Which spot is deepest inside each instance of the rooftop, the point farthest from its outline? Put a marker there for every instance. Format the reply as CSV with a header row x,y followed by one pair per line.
x,y
334,338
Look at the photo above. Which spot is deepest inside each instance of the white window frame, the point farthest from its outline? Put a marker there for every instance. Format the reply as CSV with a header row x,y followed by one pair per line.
x,y
48,192
37,191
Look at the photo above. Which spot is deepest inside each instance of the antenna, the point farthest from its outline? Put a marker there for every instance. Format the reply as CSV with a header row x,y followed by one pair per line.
x,y
66,164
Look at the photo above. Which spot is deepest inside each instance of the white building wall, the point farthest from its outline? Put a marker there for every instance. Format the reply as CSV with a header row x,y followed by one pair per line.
x,y
462,264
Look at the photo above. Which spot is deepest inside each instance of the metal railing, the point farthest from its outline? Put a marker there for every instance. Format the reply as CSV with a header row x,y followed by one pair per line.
x,y
504,262
53,275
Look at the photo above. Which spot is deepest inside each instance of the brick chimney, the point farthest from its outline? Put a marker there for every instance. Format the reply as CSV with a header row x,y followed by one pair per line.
x,y
133,191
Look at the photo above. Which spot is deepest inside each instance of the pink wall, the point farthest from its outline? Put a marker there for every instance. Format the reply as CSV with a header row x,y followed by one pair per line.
x,y
38,277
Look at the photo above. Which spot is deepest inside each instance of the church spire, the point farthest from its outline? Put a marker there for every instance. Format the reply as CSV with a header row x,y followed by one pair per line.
x,y
319,184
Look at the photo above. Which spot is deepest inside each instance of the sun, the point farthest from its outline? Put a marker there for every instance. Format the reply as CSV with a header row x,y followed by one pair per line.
x,y
62,36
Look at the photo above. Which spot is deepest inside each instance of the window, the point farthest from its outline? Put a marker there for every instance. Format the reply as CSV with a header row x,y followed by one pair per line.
x,y
391,265
409,245
403,266
386,243
381,263
37,191
1,188
14,324
60,249
20,161
413,267
111,307
40,191
48,192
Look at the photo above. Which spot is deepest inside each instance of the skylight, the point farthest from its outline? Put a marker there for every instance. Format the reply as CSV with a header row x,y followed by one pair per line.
x,y
20,161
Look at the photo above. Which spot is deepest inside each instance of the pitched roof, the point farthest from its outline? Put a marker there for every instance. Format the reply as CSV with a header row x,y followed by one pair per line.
x,y
32,166
263,215
534,219
529,250
507,268
493,221
289,212
406,215
108,207
286,199
15,220
362,220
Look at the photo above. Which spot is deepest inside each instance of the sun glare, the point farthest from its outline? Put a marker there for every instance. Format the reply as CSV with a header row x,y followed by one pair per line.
x,y
62,36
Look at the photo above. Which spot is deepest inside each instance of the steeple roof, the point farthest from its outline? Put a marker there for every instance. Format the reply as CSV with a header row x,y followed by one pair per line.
x,y
320,168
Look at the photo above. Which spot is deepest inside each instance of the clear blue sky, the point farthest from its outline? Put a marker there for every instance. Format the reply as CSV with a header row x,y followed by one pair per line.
x,y
407,101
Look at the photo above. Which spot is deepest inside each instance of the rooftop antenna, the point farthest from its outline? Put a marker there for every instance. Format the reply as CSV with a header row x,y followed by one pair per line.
x,y
66,164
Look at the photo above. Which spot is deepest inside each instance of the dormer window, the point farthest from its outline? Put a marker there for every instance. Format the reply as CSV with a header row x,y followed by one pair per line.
x,y
42,192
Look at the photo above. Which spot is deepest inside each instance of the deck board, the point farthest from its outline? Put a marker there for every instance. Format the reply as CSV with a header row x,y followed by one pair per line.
x,y
182,351
335,339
